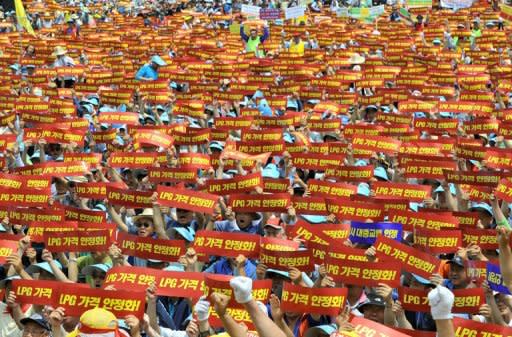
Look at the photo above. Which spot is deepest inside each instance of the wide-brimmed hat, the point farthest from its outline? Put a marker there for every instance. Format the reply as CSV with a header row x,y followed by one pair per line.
x,y
356,59
147,213
59,51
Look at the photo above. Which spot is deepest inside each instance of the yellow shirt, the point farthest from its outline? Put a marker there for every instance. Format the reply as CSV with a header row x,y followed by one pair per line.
x,y
297,48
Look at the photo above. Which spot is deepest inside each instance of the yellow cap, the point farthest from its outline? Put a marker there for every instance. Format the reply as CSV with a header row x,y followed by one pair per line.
x,y
96,319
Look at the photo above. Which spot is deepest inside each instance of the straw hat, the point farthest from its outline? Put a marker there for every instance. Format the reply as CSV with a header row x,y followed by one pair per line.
x,y
59,51
147,213
356,59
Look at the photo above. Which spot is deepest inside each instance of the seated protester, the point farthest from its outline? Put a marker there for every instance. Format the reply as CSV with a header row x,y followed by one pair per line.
x,y
373,308
239,266
96,273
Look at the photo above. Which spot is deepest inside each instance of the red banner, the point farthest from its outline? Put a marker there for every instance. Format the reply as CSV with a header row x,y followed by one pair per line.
x,y
480,178
319,301
313,161
417,193
350,173
365,327
186,199
96,190
186,174
309,205
219,283
150,248
355,210
55,136
37,230
412,260
23,182
31,198
277,202
54,169
237,184
169,283
76,300
129,198
128,118
376,144
411,220
37,291
78,241
227,244
7,248
499,159
469,327
368,273
329,189
84,215
132,160
484,238
428,170
435,241
283,260
504,190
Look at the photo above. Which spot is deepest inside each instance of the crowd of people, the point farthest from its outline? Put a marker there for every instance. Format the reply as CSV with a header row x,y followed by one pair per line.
x,y
199,127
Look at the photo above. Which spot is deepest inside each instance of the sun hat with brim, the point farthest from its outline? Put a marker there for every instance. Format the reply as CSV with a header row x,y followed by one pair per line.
x,y
216,146
186,233
36,268
174,267
372,299
356,59
37,319
96,319
146,213
482,206
277,272
440,189
6,280
273,222
314,219
380,172
270,171
363,189
158,60
321,330
102,267
59,51
422,280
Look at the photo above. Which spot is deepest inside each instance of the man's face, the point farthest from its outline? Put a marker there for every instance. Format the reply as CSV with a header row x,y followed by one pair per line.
x,y
98,278
34,330
144,227
184,217
254,33
271,232
374,313
296,39
154,65
457,275
243,220
46,276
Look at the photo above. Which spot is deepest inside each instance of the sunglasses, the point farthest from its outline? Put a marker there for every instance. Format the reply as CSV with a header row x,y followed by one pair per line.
x,y
144,224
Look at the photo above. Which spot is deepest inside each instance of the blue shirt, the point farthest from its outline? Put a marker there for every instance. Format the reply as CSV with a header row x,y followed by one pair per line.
x,y
147,72
223,267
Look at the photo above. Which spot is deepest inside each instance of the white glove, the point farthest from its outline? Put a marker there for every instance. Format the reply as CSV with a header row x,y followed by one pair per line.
x,y
242,287
441,301
202,309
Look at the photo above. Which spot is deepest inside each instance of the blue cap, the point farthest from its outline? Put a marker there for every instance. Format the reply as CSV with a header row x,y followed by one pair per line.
x,y
270,171
187,233
265,110
420,115
88,270
414,206
420,279
258,94
440,189
319,330
158,60
36,268
37,319
482,206
314,219
363,189
361,162
380,172
174,266
288,138
446,114
216,145
277,272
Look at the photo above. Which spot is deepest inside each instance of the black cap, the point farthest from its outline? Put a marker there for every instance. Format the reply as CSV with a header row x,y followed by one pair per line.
x,y
37,319
458,261
372,299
